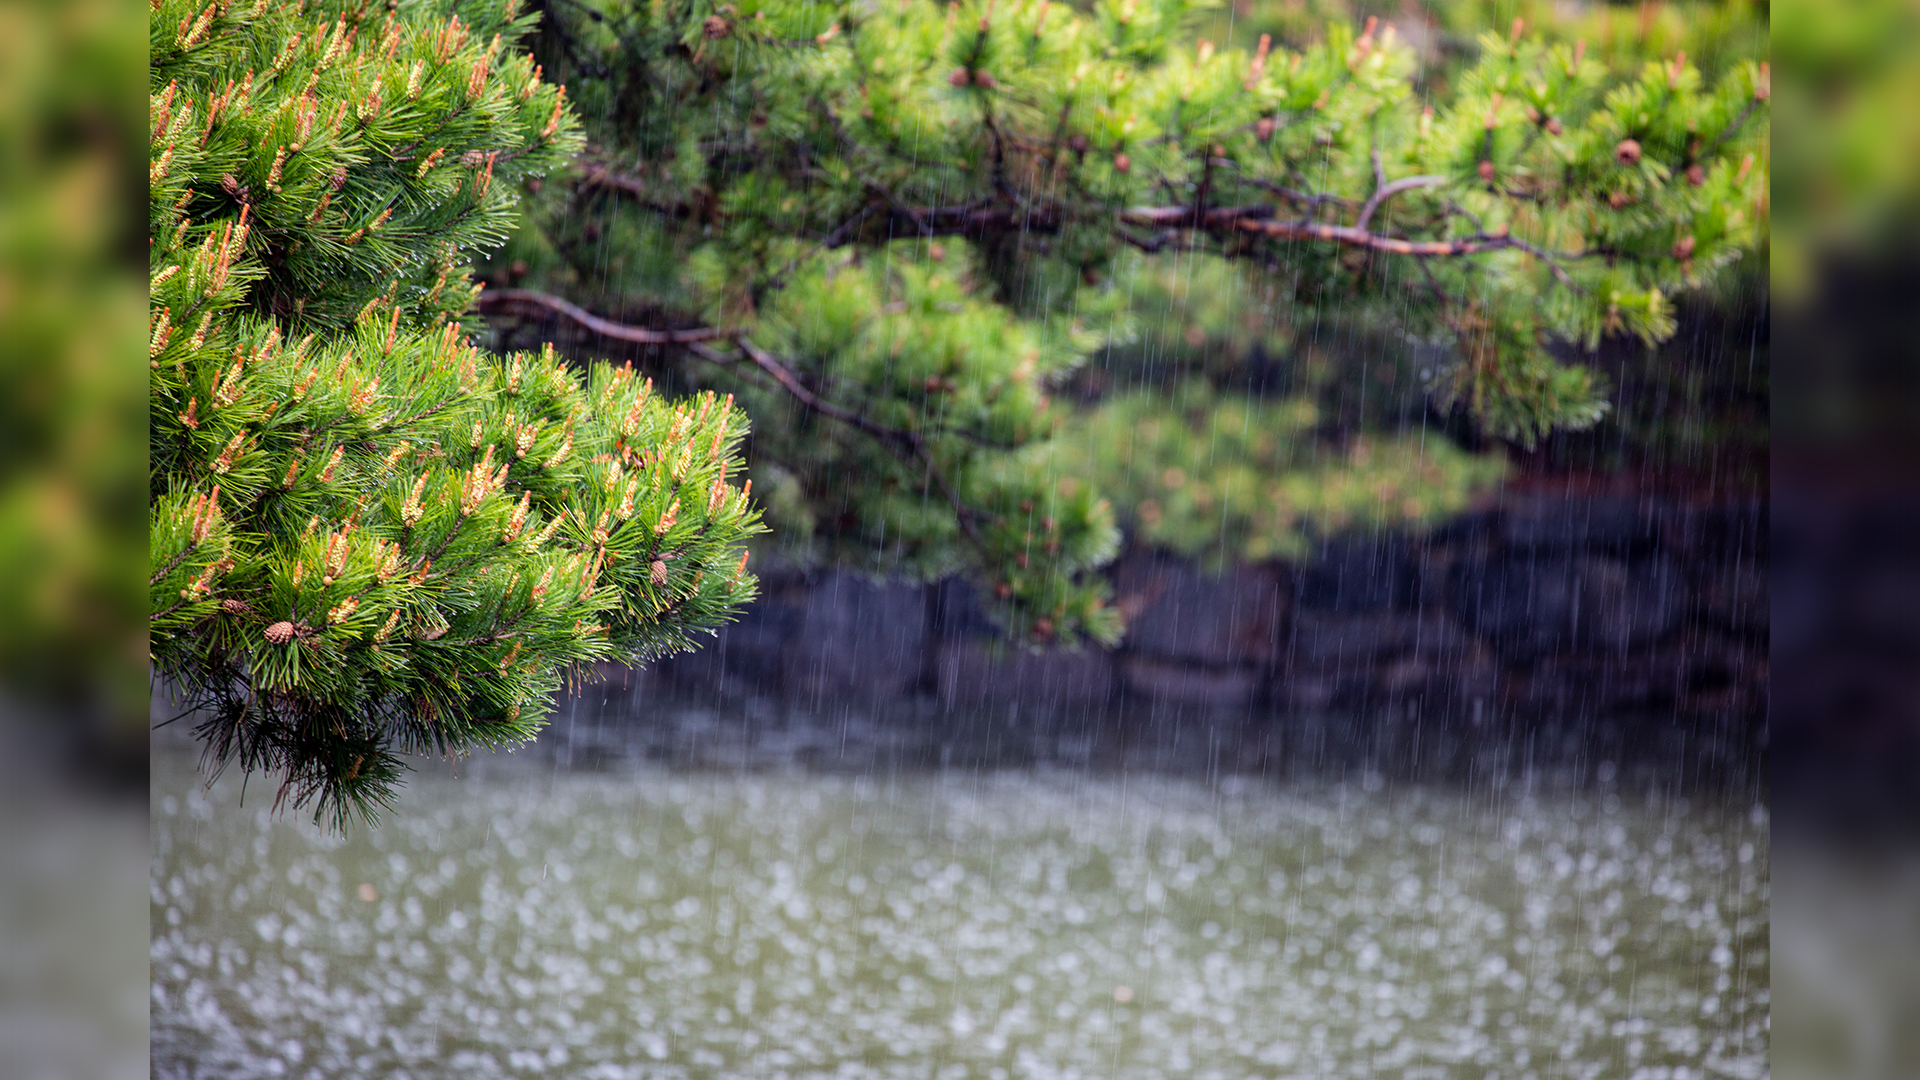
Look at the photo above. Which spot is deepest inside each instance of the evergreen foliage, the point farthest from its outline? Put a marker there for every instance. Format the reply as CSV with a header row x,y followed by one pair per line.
x,y
1227,478
747,153
368,537
892,232
1714,34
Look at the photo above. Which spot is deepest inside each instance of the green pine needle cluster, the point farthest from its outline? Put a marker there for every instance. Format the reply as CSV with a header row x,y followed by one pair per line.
x,y
367,537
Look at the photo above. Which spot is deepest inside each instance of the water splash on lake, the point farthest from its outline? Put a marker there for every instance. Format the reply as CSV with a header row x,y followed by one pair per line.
x,y
1035,923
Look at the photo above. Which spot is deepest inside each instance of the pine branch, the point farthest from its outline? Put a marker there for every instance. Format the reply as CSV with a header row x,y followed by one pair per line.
x,y
1384,192
1003,216
504,301
909,444
523,301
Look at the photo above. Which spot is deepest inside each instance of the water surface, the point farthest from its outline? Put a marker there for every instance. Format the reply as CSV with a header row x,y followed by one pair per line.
x,y
519,919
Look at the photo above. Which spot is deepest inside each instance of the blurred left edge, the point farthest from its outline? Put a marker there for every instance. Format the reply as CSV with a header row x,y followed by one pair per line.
x,y
73,450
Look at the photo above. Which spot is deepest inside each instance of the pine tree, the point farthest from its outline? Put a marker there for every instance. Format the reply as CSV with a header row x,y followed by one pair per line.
x,y
368,537
891,233
895,229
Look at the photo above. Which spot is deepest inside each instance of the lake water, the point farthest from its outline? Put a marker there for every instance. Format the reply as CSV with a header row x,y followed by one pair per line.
x,y
517,918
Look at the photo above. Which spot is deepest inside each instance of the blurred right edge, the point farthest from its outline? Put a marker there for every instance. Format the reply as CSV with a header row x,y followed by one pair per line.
x,y
1846,545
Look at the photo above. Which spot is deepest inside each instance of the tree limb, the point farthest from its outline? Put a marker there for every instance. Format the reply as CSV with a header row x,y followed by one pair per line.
x,y
908,443
912,443
520,301
1387,191
986,217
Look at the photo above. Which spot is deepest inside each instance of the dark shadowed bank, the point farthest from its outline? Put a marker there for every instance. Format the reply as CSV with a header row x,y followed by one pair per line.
x,y
1571,632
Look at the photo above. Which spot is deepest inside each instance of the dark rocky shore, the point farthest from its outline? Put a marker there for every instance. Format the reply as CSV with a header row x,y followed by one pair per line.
x,y
1570,633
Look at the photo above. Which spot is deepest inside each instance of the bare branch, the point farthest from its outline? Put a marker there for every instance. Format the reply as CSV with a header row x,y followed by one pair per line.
x,y
520,301
834,239
1733,126
1387,191
1186,217
1312,202
906,443
503,301
601,178
1347,234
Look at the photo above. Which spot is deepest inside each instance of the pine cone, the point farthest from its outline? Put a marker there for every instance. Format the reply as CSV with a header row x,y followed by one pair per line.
x,y
235,607
1486,171
1263,128
1627,153
715,28
279,633
1683,248
1696,175
1122,163
958,77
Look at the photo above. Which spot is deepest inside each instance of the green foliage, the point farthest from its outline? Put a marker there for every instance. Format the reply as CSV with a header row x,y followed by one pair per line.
x,y
1850,182
1229,478
743,153
1445,34
962,382
367,537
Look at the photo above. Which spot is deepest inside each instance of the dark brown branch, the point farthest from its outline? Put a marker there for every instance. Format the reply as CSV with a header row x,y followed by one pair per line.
x,y
598,177
790,382
1387,191
841,235
1347,234
175,561
1186,217
991,217
1733,126
524,301
901,441
977,220
694,341
1311,202
1152,245
168,610
1550,258
834,239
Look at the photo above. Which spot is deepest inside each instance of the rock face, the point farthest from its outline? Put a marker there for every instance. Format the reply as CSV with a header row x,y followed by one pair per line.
x,y
1583,606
